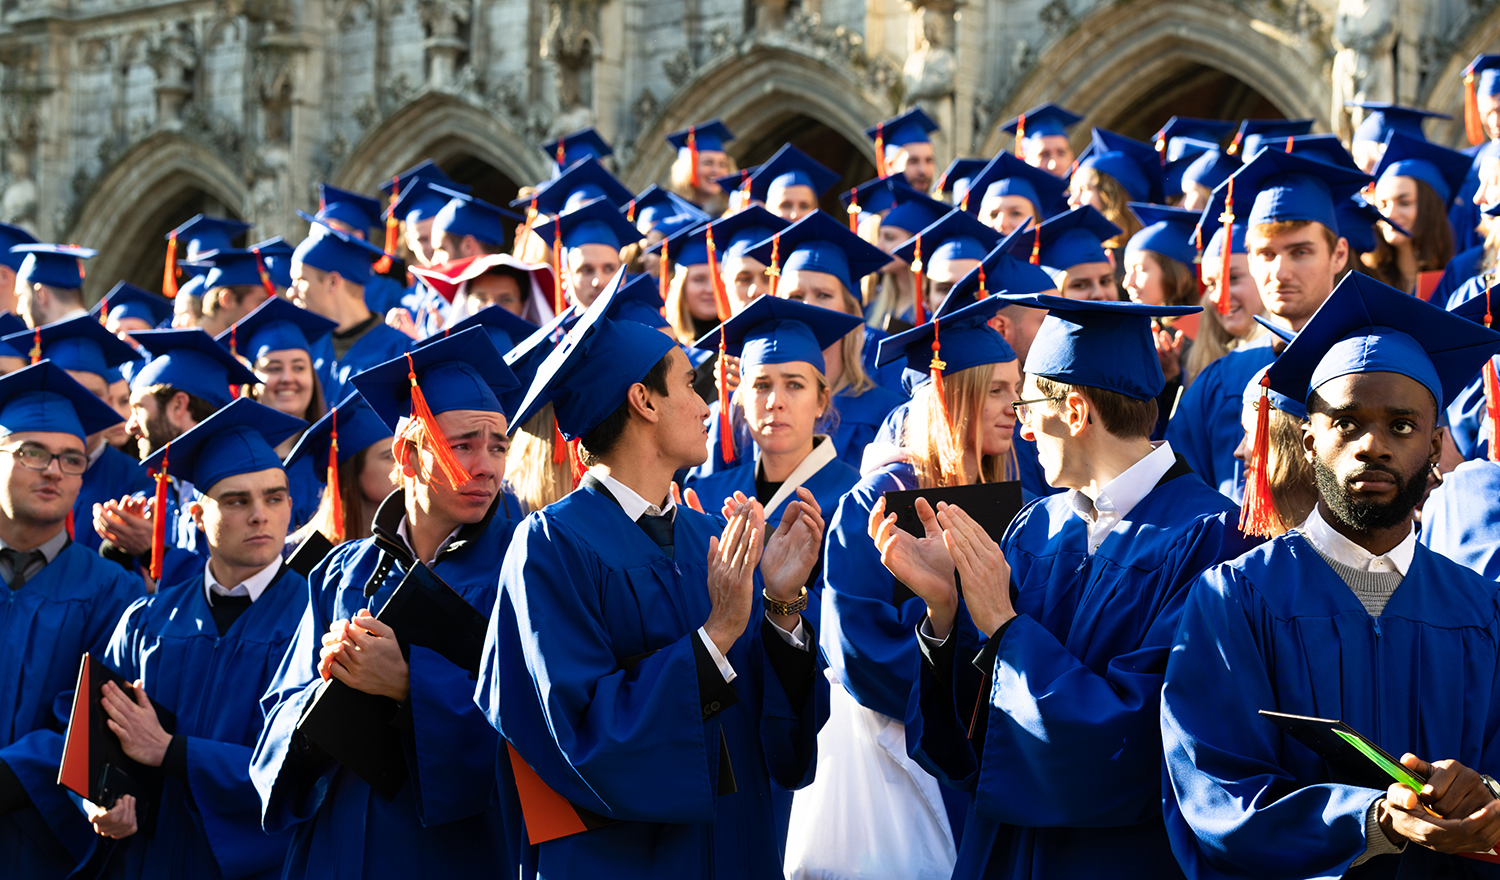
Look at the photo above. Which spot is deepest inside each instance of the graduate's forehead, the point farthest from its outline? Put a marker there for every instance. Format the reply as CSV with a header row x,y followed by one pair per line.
x,y
255,483
52,441
469,424
1378,393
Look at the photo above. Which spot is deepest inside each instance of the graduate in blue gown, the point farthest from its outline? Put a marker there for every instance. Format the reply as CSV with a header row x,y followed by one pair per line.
x,y
92,356
335,290
127,308
446,819
1046,710
1346,617
205,649
345,487
630,673
946,250
62,603
189,377
357,215
277,340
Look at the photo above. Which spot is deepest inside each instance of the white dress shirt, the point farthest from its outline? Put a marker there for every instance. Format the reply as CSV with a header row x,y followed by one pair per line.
x,y
1340,549
251,586
401,531
1120,496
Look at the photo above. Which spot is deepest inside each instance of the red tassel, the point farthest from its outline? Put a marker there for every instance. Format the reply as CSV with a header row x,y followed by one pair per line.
x,y
562,153
559,444
774,270
104,312
963,203
692,145
392,228
159,516
169,272
1234,145
525,232
981,293
1161,149
335,498
1198,260
559,301
1021,137
69,524
721,295
420,412
1036,245
1257,513
1289,142
265,277
854,210
664,272
726,425
919,296
36,345
1227,218
1473,125
951,455
745,185
630,212
578,468
880,169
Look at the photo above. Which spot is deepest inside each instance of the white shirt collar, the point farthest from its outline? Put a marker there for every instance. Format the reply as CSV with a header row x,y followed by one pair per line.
x,y
1340,549
406,536
251,586
1120,496
630,501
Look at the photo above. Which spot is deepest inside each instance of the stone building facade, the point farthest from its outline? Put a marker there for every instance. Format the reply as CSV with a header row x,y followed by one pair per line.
x,y
121,118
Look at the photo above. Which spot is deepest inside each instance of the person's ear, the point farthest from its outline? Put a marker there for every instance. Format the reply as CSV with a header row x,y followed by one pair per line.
x,y
641,402
196,511
1079,412
1308,441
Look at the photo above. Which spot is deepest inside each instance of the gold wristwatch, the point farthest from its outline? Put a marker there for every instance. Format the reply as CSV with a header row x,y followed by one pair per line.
x,y
785,609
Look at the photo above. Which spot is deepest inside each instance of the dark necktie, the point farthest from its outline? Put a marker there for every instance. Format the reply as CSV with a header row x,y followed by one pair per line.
x,y
19,561
659,529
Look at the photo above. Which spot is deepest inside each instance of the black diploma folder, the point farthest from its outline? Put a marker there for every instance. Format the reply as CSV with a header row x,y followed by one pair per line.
x,y
309,553
358,729
992,505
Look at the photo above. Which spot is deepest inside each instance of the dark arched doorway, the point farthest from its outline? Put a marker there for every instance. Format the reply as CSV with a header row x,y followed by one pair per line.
x,y
1190,90
149,241
485,181
817,140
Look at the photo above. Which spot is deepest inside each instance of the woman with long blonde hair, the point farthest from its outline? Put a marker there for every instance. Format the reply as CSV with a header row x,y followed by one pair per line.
x,y
359,478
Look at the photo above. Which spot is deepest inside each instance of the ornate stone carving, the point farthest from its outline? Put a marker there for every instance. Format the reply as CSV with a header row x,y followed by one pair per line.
x,y
447,25
1055,17
929,71
571,43
1363,33
173,57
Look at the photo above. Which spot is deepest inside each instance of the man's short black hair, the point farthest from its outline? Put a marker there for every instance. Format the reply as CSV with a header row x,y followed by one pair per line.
x,y
602,440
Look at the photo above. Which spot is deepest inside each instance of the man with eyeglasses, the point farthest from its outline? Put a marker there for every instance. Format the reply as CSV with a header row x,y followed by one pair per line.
x,y
1050,718
59,601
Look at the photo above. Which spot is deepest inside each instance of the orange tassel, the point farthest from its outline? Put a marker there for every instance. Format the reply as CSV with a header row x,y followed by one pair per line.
x,y
392,228
880,169
1227,218
69,524
104,312
950,455
854,210
745,184
1289,141
963,203
1161,149
1198,260
1021,137
774,270
692,145
664,272
578,467
1234,145
559,444
170,271
630,212
559,301
721,295
919,296
562,154
159,516
421,413
525,232
1036,245
265,277
981,293
1473,125
1257,513
335,498
726,425
36,345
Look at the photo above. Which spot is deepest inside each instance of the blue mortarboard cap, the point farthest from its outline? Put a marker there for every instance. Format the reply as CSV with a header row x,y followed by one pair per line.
x,y
1212,131
1285,186
458,372
707,136
1256,133
654,204
1253,388
735,234
819,243
1099,344
1067,240
1134,164
1323,147
686,244
677,226
875,195
911,127
277,255
10,236
954,181
359,429
1188,150
586,375
333,250
234,267
466,215
965,335
419,201
191,361
773,330
9,324
596,222
55,265
1357,219
912,211
583,181
1003,272
1355,331
1486,71
1435,165
193,286
239,439
359,212
585,143
504,327
79,343
1210,168
957,235
1045,120
791,167
125,300
638,299
1383,117
423,170
737,180
45,399
1005,175
1215,245
527,355
204,233
1168,231
275,325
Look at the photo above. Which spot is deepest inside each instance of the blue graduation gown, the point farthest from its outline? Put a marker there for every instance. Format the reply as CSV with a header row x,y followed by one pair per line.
x,y
113,476
209,822
306,488
382,294
69,607
1461,518
1066,769
1278,629
859,420
1464,265
596,620
889,376
446,820
1206,428
377,346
